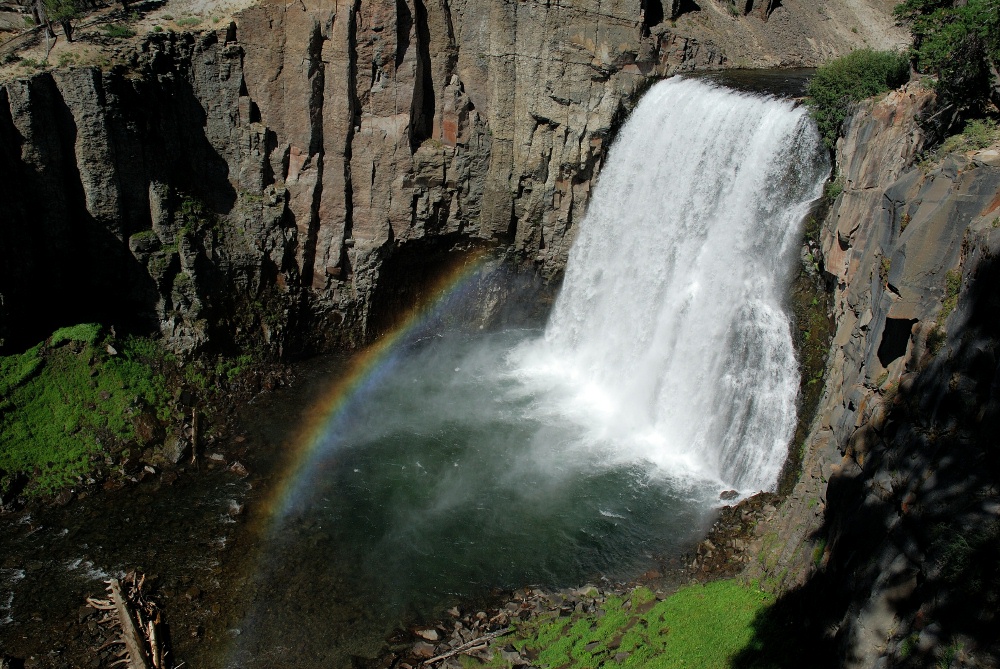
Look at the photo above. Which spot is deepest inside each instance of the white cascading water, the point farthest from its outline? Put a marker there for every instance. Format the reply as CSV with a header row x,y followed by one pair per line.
x,y
670,340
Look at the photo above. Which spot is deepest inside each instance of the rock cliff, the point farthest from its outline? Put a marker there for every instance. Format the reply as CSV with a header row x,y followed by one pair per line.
x,y
288,179
285,159
897,505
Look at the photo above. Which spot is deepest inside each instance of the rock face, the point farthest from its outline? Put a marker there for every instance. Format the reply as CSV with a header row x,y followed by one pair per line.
x,y
899,464
285,159
283,179
135,194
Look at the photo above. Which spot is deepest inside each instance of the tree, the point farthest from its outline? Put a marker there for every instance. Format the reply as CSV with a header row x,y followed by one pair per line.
x,y
63,11
959,42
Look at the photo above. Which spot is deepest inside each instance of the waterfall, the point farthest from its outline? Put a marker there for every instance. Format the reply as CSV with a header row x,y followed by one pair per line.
x,y
670,338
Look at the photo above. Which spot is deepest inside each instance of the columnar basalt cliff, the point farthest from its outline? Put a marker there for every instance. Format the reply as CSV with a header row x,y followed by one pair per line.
x,y
284,159
896,509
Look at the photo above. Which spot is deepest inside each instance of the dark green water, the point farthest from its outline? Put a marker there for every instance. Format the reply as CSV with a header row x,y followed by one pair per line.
x,y
448,477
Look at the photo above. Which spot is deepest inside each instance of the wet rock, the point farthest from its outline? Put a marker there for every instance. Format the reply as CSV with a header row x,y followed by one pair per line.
x,y
176,449
422,650
508,654
64,498
239,469
193,593
83,614
729,495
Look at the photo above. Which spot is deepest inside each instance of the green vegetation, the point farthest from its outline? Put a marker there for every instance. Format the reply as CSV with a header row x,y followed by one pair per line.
x,y
69,400
818,552
833,188
80,400
977,134
86,333
952,286
189,21
119,31
193,215
884,268
699,627
849,79
61,10
957,42
811,305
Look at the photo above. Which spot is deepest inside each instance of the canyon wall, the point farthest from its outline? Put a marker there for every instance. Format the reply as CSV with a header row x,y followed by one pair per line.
x,y
286,179
254,181
882,541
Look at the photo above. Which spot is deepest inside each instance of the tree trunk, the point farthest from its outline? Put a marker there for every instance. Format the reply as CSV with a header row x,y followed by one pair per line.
x,y
67,27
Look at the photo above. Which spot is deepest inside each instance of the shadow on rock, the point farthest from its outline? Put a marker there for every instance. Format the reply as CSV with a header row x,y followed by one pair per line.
x,y
910,576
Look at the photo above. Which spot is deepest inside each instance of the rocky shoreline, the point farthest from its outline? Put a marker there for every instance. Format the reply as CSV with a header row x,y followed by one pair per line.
x,y
735,538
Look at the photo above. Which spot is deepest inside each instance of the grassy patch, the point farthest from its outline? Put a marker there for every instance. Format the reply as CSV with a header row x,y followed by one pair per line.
x,y
977,134
67,401
699,627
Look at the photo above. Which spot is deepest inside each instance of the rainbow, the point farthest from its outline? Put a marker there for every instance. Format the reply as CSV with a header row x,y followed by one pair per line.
x,y
318,434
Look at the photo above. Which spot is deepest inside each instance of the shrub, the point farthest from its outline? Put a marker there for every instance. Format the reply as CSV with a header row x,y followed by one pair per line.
x,y
119,31
849,79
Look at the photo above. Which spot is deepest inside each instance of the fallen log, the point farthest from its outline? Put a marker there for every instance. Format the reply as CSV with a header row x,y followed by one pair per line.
x,y
475,645
134,642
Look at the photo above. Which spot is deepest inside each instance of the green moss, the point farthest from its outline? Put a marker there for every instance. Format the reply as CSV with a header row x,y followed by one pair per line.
x,y
701,626
977,134
64,405
85,332
818,551
833,189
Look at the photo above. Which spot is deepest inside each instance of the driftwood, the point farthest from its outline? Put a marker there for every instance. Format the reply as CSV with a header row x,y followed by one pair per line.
x,y
473,646
194,436
134,641
139,625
